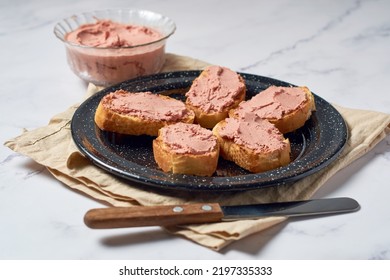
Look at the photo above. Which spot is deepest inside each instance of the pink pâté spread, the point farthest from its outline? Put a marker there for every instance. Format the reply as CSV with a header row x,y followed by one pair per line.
x,y
215,90
272,103
109,34
106,52
183,138
145,105
260,136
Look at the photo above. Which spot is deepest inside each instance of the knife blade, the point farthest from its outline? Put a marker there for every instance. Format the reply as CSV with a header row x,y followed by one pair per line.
x,y
168,215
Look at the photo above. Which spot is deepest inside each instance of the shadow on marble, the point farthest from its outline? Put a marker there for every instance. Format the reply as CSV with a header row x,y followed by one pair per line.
x,y
254,243
342,177
31,168
136,238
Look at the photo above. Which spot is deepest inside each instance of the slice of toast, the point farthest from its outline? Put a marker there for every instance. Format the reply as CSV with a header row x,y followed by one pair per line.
x,y
216,91
288,108
186,149
255,146
140,113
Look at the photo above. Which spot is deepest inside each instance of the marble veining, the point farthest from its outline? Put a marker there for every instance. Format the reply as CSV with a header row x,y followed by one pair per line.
x,y
9,158
339,50
311,37
381,255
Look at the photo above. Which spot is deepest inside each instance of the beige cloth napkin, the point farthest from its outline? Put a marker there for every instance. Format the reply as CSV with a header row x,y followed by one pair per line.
x,y
53,147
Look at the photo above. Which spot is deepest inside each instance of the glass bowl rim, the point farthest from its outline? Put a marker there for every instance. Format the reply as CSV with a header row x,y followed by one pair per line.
x,y
57,33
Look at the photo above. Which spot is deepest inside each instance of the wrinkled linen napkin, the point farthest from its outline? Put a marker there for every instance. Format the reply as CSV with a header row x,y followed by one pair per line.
x,y
53,147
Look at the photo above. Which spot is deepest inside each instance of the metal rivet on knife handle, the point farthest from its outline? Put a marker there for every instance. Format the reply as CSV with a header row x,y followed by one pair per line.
x,y
207,207
177,209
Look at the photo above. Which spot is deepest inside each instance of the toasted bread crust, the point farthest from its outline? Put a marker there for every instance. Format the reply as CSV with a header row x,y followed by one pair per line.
x,y
109,120
168,160
207,120
296,119
293,120
249,159
210,119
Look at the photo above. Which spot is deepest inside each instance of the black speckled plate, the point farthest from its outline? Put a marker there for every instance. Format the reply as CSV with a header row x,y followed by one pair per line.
x,y
314,146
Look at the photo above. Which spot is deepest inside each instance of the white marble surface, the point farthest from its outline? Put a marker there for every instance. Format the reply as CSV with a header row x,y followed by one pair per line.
x,y
340,50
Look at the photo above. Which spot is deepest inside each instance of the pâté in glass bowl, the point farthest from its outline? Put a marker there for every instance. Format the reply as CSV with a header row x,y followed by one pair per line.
x,y
111,46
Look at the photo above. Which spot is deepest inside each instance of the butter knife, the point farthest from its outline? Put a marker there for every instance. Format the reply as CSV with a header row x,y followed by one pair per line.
x,y
167,215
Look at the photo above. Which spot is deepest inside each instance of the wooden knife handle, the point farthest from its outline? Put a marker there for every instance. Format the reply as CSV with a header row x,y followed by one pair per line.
x,y
138,216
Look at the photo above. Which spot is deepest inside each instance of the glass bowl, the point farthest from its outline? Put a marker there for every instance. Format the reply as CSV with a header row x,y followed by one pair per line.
x,y
104,66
